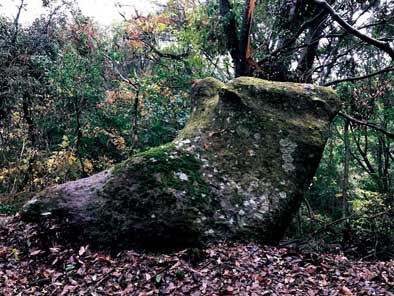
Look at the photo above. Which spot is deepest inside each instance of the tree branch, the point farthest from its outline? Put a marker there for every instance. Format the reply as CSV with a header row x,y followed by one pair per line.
x,y
384,70
369,168
352,30
124,78
366,123
178,57
294,38
16,21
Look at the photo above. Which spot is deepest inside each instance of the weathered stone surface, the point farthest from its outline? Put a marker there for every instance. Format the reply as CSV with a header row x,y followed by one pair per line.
x,y
238,170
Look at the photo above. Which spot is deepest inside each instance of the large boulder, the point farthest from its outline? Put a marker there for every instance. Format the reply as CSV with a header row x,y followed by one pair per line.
x,y
238,170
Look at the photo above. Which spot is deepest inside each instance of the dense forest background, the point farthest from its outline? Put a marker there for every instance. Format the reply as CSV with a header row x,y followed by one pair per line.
x,y
76,98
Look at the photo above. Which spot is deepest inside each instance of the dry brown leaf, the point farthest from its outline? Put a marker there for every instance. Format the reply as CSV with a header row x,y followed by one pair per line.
x,y
346,291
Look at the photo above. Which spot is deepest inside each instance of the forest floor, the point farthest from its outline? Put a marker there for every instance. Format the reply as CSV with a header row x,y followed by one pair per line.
x,y
32,265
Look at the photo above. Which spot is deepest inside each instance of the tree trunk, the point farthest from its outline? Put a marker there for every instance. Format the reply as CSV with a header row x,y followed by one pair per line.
x,y
230,30
79,135
345,183
32,138
244,65
308,55
134,128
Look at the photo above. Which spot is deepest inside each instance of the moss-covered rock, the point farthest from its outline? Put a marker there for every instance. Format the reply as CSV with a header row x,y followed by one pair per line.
x,y
238,170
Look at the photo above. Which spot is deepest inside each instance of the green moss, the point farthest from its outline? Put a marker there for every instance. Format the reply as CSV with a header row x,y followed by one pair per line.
x,y
157,195
288,88
206,96
166,168
155,152
201,118
11,204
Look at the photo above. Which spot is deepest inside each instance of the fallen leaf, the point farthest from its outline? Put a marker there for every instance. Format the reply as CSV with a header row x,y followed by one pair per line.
x,y
346,291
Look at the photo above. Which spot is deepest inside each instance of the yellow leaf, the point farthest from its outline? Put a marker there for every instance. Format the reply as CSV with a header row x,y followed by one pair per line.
x,y
71,159
88,164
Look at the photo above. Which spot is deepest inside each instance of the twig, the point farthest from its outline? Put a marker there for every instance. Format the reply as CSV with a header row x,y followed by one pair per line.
x,y
350,79
366,123
106,276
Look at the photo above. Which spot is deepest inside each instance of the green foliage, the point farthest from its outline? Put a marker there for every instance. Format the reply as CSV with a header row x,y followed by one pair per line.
x,y
8,209
370,193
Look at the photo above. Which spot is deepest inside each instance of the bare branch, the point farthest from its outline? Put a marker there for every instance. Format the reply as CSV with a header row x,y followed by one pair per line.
x,y
352,30
385,70
294,38
369,124
369,168
178,57
123,77
16,21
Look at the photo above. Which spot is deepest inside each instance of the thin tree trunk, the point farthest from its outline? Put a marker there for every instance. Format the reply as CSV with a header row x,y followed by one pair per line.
x,y
331,170
134,128
345,183
79,135
309,53
380,159
31,131
386,144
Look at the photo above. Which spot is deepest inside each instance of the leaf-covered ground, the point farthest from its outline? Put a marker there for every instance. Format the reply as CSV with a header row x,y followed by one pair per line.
x,y
33,265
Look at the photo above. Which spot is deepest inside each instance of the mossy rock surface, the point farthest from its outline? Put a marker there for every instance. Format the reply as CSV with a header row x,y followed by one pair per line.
x,y
238,170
